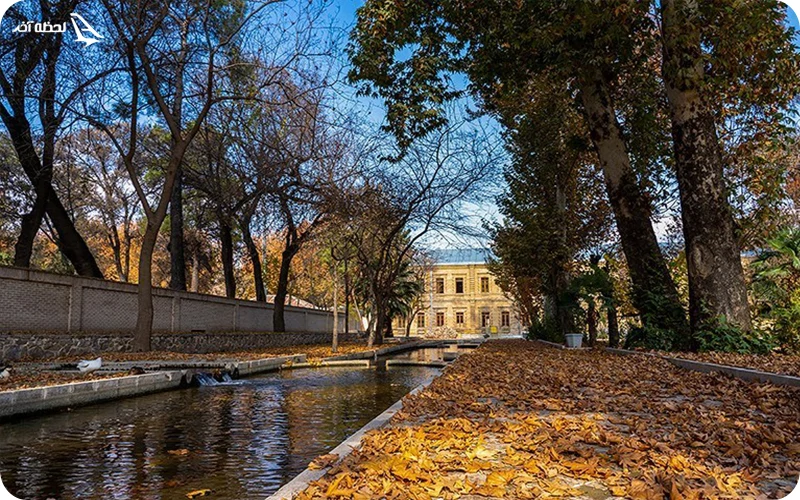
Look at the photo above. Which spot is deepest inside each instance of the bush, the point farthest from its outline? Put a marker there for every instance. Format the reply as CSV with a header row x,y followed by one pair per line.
x,y
545,329
650,337
720,336
776,288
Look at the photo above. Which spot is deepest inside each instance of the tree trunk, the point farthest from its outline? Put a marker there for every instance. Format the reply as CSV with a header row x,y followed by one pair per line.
x,y
195,286
144,319
346,300
560,278
29,227
255,259
126,252
69,241
613,327
591,322
335,340
226,243
281,291
177,249
654,292
389,327
116,249
716,279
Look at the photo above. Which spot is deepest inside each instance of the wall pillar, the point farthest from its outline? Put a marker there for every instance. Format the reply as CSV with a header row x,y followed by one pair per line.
x,y
175,318
75,311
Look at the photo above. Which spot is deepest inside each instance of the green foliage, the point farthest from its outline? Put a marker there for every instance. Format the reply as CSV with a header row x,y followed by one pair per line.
x,y
545,329
721,336
776,288
555,206
650,337
405,291
596,283
654,337
6,258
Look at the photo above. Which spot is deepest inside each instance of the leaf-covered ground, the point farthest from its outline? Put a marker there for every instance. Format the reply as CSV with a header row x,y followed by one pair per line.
x,y
774,363
313,351
36,378
516,419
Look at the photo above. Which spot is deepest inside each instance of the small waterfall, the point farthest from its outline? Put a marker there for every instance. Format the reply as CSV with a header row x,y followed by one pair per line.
x,y
205,379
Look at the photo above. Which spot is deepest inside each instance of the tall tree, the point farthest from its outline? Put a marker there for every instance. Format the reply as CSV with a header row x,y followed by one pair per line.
x,y
500,46
398,203
147,36
553,207
29,66
697,71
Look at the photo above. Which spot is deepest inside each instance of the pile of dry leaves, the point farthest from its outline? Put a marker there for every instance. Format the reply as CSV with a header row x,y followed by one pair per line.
x,y
519,420
29,379
312,351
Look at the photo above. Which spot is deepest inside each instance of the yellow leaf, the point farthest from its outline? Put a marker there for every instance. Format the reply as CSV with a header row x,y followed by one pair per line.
x,y
198,493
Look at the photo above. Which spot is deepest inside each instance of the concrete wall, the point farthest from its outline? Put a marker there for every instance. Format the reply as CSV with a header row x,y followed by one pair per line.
x,y
45,314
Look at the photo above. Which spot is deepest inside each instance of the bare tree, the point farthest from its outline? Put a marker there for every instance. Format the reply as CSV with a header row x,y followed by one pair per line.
x,y
107,193
29,71
398,203
181,83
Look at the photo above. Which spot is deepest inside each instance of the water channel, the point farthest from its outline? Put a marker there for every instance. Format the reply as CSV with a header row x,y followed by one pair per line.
x,y
242,439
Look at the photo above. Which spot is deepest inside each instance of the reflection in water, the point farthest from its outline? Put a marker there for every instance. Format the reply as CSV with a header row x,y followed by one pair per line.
x,y
442,353
244,440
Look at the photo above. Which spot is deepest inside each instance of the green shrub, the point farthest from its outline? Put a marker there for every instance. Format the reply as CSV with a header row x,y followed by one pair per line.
x,y
545,329
650,337
776,289
720,336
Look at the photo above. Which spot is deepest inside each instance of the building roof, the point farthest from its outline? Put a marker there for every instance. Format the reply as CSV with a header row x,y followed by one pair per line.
x,y
460,255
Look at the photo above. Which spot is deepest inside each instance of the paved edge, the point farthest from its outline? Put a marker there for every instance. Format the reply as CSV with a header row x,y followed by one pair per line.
x,y
550,344
405,346
746,374
302,480
36,399
244,368
331,364
411,362
51,397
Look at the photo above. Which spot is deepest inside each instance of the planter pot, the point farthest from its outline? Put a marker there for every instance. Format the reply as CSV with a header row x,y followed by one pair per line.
x,y
574,340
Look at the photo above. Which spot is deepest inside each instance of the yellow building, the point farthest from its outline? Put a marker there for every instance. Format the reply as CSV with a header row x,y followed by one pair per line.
x,y
462,298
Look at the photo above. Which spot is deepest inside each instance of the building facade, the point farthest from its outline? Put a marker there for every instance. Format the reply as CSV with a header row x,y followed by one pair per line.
x,y
462,298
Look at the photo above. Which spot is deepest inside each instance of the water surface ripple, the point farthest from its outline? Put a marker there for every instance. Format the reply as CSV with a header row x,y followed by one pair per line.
x,y
243,440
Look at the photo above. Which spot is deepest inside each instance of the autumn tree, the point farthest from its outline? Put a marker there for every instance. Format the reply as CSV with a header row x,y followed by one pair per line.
x,y
106,193
744,53
610,58
147,37
554,206
500,47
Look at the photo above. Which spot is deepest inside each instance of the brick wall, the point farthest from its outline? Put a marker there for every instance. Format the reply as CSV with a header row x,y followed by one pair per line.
x,y
45,314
